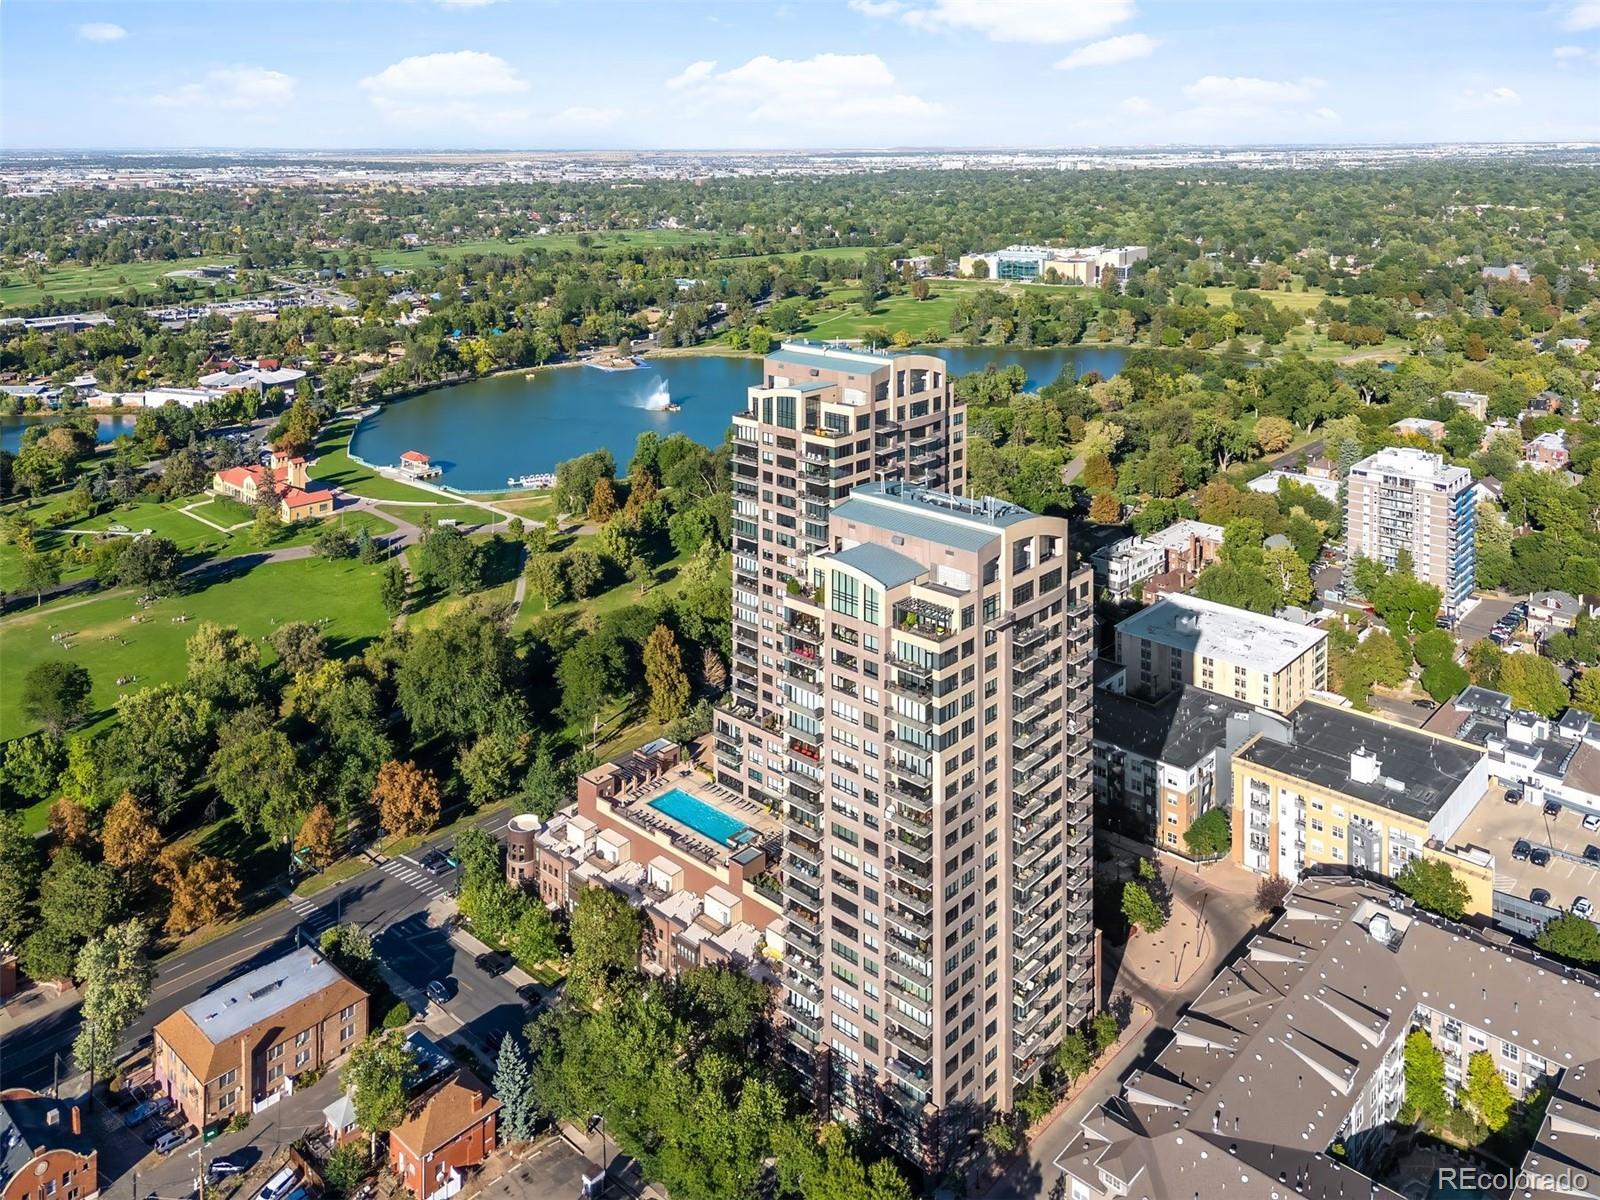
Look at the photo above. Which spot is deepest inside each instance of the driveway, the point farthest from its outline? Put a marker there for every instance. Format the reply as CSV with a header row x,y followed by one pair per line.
x,y
1475,626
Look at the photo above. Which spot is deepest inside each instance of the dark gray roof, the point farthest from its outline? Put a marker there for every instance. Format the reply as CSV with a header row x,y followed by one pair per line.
x,y
1417,771
1180,728
888,567
937,516
25,1127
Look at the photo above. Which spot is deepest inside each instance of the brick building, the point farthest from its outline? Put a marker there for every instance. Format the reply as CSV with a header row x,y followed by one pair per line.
x,y
44,1153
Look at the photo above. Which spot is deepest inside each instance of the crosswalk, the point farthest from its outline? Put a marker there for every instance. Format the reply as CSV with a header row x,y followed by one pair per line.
x,y
414,876
314,918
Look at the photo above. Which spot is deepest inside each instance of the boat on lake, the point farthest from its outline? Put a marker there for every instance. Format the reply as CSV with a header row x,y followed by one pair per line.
x,y
538,479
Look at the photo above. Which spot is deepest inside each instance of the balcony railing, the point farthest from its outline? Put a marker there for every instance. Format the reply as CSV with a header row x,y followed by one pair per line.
x,y
925,620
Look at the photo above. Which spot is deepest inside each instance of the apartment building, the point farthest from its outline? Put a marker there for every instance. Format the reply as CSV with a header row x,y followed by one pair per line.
x,y
1159,765
822,421
1476,403
937,667
1403,499
238,1048
1298,1047
1345,789
686,853
44,1152
1259,660
1186,546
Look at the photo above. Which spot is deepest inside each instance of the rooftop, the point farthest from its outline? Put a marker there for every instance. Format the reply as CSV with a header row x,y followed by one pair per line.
x,y
888,567
257,995
1415,772
1180,728
1407,462
956,521
824,356
26,1125
1219,631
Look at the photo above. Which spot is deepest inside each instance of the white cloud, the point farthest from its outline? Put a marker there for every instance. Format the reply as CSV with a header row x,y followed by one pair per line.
x,y
1137,106
1246,92
101,31
1044,22
466,3
1565,56
1583,15
1120,49
1563,52
582,117
1500,97
837,91
458,90
235,89
1225,107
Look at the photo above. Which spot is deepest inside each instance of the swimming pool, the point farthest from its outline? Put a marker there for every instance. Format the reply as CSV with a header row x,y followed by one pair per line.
x,y
701,817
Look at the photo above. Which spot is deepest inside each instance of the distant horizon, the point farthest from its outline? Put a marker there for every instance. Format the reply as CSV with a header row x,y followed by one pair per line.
x,y
770,75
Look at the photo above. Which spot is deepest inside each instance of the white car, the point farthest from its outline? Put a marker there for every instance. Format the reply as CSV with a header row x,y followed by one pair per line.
x,y
1581,907
1592,822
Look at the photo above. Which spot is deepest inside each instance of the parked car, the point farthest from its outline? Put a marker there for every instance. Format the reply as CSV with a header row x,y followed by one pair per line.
x,y
1552,808
1540,857
219,1168
141,1113
1539,896
437,991
1592,822
1521,850
494,964
279,1185
1581,907
1591,854
173,1138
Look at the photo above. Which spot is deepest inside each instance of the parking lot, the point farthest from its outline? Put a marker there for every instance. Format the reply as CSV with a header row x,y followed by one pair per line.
x,y
1476,625
1496,824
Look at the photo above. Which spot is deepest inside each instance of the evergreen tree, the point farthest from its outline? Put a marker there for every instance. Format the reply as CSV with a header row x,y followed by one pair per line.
x,y
664,675
513,1086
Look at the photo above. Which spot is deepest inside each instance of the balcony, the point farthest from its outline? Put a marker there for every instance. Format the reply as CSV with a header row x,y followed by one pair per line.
x,y
803,654
801,850
904,684
910,771
909,820
915,1049
802,1017
919,849
803,630
804,741
920,799
731,759
798,893
800,914
924,620
806,708
1028,638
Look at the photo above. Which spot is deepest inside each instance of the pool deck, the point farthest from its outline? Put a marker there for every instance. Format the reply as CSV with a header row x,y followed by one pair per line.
x,y
636,791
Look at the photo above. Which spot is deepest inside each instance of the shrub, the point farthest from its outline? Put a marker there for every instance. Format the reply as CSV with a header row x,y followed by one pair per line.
x,y
397,1016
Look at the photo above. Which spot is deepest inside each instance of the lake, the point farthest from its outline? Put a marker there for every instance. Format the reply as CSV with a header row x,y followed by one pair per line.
x,y
483,432
109,426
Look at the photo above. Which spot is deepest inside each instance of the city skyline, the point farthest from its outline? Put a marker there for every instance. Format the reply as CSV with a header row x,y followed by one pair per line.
x,y
481,74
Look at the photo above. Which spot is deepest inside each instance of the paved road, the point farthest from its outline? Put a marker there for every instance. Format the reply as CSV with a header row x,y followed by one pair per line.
x,y
374,900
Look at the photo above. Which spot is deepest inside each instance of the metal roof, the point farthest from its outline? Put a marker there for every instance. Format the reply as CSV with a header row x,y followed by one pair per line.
x,y
888,567
953,521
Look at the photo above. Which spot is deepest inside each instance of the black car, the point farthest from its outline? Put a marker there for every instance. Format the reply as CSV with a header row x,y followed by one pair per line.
x,y
493,964
1591,854
1539,896
1520,851
1552,808
1540,857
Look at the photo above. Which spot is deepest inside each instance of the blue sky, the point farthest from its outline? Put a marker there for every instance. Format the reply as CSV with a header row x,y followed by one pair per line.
x,y
792,73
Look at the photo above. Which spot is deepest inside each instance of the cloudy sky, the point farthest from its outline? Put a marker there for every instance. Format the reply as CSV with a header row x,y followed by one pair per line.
x,y
792,73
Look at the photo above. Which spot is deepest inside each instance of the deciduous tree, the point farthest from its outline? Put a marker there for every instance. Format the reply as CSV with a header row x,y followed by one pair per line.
x,y
1572,937
606,936
1140,908
378,1078
56,694
1486,1095
130,843
407,798
1434,886
204,888
115,976
318,835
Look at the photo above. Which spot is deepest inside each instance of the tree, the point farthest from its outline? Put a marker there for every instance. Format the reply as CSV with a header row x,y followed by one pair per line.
x,y
318,835
19,878
1210,835
665,678
460,679
1572,937
300,647
32,766
130,842
1425,1082
77,900
349,948
1432,883
346,1168
533,937
545,786
392,589
56,694
513,1088
1073,1056
585,571
1444,680
1486,1095
1140,908
407,798
68,824
607,933
602,501
40,572
150,563
255,771
491,764
116,977
1273,434
1105,509
379,1077
1288,573
1104,1029
1533,683
204,887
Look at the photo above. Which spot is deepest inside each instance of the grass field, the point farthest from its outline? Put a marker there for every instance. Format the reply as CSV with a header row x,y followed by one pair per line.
x,y
104,640
1295,301
336,468
421,516
600,240
1321,348
73,281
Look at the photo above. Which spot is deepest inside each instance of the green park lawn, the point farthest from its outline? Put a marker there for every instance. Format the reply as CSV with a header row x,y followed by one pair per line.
x,y
421,515
336,468
74,281
1302,299
794,256
258,601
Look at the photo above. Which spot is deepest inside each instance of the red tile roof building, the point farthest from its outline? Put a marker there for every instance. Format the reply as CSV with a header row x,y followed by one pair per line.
x,y
297,499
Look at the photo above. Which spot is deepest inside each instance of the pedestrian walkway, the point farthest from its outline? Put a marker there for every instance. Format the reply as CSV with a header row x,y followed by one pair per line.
x,y
407,872
314,918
